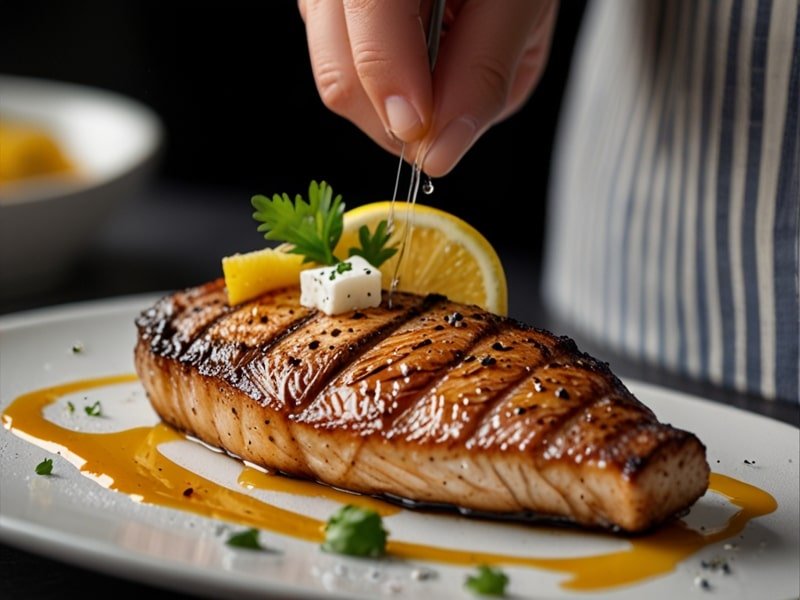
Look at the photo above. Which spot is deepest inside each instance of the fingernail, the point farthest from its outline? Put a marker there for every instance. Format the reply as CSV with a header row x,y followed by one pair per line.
x,y
451,144
404,122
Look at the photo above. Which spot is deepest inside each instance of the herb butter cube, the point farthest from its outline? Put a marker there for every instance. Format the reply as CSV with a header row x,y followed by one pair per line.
x,y
348,285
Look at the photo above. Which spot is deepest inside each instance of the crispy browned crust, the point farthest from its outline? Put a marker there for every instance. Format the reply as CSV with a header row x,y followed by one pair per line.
x,y
427,400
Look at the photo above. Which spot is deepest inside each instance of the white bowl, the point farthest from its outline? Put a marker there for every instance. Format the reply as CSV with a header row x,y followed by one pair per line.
x,y
46,224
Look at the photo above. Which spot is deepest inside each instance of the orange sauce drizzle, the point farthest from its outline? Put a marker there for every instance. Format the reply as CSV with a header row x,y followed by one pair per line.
x,y
129,462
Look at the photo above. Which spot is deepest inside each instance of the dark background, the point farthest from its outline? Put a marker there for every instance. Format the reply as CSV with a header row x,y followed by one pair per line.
x,y
233,85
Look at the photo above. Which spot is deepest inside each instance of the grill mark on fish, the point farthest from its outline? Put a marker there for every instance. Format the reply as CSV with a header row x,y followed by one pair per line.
x,y
290,378
466,412
447,369
574,436
174,322
541,417
356,398
222,349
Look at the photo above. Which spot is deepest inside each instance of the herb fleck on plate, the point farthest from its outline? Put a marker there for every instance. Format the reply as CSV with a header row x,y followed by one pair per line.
x,y
247,539
45,467
488,581
94,410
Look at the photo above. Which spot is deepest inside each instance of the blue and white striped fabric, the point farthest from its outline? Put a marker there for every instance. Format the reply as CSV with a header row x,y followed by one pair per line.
x,y
675,207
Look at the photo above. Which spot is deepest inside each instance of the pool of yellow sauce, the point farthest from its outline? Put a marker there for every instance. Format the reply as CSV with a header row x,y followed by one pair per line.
x,y
129,462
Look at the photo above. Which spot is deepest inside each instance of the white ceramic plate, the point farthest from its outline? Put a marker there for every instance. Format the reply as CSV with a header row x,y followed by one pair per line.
x,y
74,519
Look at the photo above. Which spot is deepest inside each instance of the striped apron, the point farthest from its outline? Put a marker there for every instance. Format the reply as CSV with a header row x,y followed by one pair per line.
x,y
675,205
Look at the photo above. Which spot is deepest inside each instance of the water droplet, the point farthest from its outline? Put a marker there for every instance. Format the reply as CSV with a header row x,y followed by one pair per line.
x,y
427,186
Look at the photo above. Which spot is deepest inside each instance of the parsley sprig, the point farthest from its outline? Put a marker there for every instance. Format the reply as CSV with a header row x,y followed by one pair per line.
x,y
314,227
355,531
488,581
373,247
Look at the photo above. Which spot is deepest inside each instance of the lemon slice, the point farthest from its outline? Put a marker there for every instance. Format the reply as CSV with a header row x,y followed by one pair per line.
x,y
443,254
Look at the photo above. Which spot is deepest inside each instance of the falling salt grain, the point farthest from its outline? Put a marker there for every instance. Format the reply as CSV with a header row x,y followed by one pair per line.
x,y
392,587
329,581
422,574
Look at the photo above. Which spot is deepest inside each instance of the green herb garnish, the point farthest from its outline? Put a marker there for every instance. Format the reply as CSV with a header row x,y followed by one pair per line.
x,y
95,410
45,467
373,248
355,531
247,539
314,227
70,407
488,581
342,267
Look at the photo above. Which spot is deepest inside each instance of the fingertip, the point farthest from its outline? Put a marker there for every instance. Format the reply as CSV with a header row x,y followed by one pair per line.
x,y
404,121
450,145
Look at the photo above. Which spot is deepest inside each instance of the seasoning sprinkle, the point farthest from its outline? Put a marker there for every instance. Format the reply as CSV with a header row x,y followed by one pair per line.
x,y
702,583
422,344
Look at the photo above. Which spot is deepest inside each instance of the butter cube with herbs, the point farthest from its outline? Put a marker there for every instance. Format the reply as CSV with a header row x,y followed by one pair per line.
x,y
349,285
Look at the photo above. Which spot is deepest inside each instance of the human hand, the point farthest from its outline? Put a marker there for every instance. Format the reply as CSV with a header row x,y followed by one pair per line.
x,y
370,64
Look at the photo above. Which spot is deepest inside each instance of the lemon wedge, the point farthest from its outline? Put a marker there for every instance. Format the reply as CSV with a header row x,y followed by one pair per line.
x,y
443,254
251,274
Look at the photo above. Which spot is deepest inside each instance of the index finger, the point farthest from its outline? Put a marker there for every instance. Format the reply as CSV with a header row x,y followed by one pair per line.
x,y
387,39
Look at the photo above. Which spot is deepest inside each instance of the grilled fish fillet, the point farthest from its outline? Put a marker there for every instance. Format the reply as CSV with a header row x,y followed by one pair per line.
x,y
426,400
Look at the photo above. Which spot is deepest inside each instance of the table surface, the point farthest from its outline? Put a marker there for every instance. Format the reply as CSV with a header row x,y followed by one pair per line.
x,y
122,261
